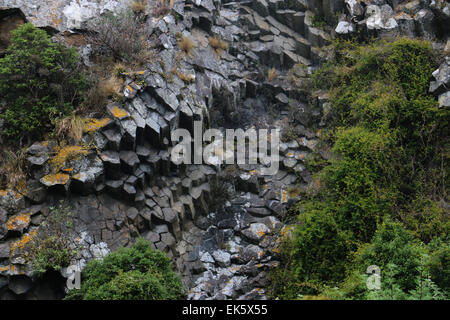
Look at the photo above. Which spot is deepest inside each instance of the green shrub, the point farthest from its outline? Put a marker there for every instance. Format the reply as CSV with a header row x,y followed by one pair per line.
x,y
320,247
359,182
54,246
136,273
404,262
438,264
39,80
390,161
392,244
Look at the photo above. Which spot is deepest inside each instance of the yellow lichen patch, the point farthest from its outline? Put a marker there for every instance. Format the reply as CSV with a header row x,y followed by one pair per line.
x,y
66,154
18,222
77,176
22,242
92,125
21,187
4,193
286,232
284,196
118,112
4,268
58,178
68,169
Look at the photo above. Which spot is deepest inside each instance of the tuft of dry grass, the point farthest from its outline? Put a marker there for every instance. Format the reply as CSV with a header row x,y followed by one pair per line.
x,y
183,76
186,44
118,70
163,7
13,170
186,77
70,128
272,74
138,6
111,87
104,88
217,44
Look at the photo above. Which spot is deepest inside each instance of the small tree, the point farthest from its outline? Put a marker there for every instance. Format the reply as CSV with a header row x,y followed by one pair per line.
x,y
39,80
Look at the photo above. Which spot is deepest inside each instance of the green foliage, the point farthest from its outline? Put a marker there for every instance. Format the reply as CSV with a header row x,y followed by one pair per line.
x,y
438,264
390,163
39,80
320,247
424,288
318,21
393,245
136,273
358,182
53,247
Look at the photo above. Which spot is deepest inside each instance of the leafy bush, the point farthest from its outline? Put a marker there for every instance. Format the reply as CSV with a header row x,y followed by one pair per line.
x,y
54,246
390,162
393,245
320,247
39,80
404,264
122,35
136,273
359,182
438,264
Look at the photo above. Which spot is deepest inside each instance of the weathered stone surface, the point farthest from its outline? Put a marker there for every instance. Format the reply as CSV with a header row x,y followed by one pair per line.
x,y
380,17
20,284
129,161
4,250
222,258
442,78
256,231
36,191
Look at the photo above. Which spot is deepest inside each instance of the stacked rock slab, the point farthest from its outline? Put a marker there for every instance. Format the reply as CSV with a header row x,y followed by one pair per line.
x,y
424,19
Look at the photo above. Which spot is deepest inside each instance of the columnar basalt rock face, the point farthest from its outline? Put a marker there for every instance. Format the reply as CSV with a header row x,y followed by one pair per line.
x,y
425,19
122,184
61,15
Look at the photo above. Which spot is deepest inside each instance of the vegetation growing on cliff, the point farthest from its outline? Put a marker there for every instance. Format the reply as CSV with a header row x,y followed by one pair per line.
x,y
53,246
379,202
136,273
39,80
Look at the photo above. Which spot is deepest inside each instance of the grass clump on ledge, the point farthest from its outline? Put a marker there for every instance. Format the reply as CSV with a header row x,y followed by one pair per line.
x,y
380,195
136,273
218,45
186,44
